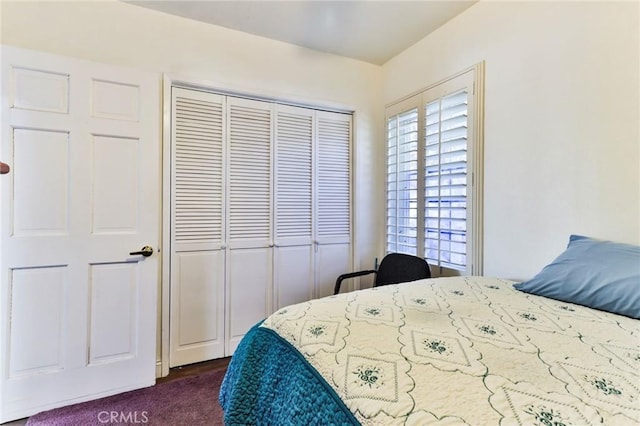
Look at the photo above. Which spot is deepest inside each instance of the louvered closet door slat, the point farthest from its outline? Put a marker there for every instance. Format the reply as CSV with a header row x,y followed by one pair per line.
x,y
293,175
249,172
197,180
333,177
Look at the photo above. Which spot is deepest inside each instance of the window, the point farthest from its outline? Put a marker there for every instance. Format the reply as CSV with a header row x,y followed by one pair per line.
x,y
434,175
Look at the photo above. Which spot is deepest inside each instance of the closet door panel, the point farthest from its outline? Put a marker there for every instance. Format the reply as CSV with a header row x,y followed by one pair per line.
x,y
293,275
333,177
196,331
198,307
333,199
293,201
249,289
197,175
332,260
249,209
249,168
293,176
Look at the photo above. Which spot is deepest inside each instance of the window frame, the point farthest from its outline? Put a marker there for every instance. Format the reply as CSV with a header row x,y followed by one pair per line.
x,y
471,79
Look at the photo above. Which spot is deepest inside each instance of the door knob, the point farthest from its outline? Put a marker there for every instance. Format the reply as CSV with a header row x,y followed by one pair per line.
x,y
146,251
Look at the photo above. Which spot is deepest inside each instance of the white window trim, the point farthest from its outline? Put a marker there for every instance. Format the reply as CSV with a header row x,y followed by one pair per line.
x,y
475,161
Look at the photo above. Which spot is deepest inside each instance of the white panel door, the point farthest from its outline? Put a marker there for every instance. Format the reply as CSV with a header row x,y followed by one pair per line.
x,y
333,199
249,216
77,310
293,202
197,232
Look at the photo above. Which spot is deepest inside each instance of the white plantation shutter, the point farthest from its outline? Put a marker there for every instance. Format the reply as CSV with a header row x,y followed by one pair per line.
x,y
197,180
434,174
293,175
402,182
446,180
249,169
333,177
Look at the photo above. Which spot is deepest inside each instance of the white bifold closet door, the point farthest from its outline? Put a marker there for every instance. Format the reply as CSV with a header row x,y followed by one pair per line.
x,y
293,200
197,232
333,199
261,215
249,216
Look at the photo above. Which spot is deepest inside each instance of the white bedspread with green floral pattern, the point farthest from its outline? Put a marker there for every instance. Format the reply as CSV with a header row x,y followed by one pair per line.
x,y
469,350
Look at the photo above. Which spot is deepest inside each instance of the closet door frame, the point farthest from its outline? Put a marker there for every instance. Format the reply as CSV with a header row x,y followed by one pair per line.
x,y
225,88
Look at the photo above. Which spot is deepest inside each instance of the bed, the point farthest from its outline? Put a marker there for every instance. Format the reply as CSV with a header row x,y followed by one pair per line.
x,y
445,351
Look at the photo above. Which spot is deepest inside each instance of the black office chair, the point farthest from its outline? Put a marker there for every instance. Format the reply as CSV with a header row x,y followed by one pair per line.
x,y
394,268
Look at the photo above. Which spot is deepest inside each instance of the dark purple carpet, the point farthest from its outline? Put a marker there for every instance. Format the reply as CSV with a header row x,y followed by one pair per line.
x,y
188,401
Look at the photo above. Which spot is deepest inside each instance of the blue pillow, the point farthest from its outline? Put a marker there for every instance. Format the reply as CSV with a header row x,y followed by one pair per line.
x,y
599,274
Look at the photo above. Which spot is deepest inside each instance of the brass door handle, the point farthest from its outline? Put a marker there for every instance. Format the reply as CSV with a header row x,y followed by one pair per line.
x,y
146,251
4,168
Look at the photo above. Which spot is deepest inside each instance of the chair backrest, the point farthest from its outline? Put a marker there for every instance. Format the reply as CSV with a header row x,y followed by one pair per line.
x,y
397,268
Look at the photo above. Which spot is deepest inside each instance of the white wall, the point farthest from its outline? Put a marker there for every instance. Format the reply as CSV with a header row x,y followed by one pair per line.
x,y
562,139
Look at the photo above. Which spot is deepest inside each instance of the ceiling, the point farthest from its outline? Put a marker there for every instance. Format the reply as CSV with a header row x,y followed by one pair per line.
x,y
367,30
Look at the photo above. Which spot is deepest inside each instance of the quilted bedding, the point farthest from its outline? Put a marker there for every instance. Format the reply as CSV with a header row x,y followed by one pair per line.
x,y
463,350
